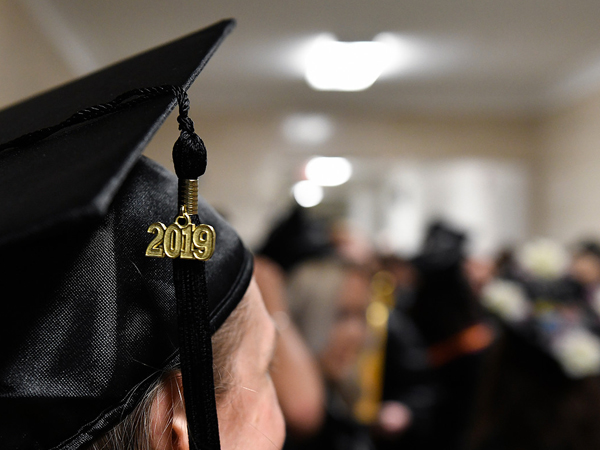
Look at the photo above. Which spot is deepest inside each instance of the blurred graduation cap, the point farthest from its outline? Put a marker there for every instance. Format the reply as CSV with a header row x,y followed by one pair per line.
x,y
444,246
296,237
89,322
445,304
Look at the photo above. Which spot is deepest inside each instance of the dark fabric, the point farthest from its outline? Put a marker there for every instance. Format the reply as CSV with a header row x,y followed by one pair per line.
x,y
408,379
444,306
527,402
73,176
196,353
444,301
90,322
458,383
565,310
91,326
176,63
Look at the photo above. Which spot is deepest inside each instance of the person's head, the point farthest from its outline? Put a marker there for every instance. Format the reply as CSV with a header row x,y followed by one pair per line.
x,y
249,414
585,266
111,333
350,244
328,302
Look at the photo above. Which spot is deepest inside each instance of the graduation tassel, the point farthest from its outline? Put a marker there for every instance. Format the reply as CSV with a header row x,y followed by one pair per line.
x,y
189,243
189,158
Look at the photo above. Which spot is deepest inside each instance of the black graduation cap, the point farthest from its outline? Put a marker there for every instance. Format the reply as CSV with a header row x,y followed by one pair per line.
x,y
295,238
444,301
88,321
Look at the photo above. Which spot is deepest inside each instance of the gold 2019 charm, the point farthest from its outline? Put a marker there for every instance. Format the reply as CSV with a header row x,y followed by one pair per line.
x,y
182,239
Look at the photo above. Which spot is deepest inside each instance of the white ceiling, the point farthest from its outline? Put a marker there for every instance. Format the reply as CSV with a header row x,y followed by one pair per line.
x,y
481,56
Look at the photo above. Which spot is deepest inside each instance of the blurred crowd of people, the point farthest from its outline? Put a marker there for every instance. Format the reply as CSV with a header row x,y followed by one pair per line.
x,y
438,351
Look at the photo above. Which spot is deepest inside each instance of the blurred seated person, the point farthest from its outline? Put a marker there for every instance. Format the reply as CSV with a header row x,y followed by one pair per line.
x,y
328,301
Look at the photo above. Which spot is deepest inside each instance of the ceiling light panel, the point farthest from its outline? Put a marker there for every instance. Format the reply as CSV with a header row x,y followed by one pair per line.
x,y
346,66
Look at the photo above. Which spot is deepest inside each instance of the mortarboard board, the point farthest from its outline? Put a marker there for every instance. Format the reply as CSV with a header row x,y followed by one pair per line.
x,y
89,322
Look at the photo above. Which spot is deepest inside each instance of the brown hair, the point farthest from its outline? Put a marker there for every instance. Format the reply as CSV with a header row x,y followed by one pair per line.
x,y
132,432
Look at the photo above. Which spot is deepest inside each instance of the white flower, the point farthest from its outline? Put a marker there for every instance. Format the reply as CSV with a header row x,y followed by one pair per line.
x,y
543,258
578,351
507,299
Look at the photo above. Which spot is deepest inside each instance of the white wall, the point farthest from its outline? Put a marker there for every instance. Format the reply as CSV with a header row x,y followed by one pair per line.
x,y
35,66
252,166
567,173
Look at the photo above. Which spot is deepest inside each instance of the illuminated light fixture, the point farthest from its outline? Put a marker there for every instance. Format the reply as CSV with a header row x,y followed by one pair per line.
x,y
307,193
328,171
346,66
309,129
406,53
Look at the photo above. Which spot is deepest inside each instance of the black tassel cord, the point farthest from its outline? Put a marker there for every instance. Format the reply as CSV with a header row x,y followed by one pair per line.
x,y
189,158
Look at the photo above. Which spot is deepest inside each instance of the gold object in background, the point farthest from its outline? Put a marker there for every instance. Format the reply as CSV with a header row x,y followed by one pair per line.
x,y
371,361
